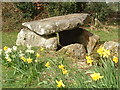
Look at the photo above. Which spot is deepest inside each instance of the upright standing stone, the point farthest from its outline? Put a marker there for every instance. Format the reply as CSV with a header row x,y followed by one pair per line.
x,y
25,37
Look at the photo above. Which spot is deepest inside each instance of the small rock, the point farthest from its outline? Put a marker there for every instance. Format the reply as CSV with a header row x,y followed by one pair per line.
x,y
75,50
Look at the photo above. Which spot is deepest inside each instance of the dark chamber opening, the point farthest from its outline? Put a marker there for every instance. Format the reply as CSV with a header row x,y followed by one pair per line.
x,y
69,37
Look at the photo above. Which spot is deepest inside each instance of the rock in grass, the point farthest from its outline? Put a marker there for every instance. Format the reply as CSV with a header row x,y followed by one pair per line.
x,y
113,46
56,24
76,50
25,37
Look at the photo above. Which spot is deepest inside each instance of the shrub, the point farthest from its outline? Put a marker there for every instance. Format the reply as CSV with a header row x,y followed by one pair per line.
x,y
28,9
61,8
98,10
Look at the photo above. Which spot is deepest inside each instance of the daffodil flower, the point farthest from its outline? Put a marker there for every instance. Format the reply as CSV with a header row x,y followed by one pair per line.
x,y
61,66
47,64
30,51
14,48
60,84
8,59
29,60
115,59
106,53
23,58
100,51
28,46
5,48
96,76
37,55
42,49
8,50
88,57
64,71
103,52
89,60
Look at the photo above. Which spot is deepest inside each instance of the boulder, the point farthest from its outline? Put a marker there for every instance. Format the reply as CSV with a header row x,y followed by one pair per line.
x,y
56,24
112,46
76,50
25,37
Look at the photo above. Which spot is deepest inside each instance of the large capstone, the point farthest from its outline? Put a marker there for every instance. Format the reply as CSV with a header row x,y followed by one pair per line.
x,y
56,24
25,37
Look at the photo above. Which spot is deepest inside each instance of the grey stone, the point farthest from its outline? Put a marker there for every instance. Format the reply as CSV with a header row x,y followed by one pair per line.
x,y
76,50
57,24
112,46
26,36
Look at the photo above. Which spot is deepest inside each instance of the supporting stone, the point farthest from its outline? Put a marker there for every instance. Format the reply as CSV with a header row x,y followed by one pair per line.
x,y
25,37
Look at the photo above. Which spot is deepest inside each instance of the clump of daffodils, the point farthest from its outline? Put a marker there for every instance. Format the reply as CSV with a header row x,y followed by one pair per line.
x,y
62,67
29,49
103,52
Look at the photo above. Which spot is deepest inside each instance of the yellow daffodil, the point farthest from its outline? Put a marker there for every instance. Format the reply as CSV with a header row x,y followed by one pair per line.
x,y
88,57
103,52
100,51
29,60
96,76
64,71
23,58
47,64
37,55
115,59
42,49
5,48
60,83
90,62
61,66
106,53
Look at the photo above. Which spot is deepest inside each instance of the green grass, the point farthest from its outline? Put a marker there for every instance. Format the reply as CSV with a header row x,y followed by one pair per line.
x,y
112,35
9,38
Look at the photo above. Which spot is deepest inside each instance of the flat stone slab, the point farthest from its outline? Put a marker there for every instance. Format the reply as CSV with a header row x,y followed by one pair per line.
x,y
56,24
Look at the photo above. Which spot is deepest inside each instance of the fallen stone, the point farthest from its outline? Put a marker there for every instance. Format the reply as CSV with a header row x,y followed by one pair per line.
x,y
56,24
75,50
112,46
25,37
